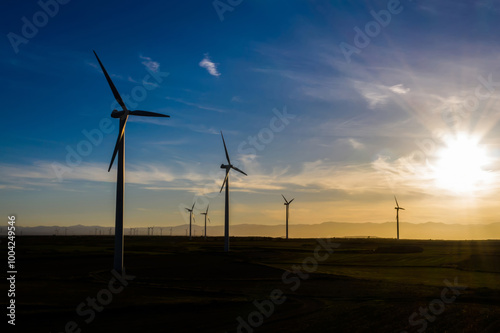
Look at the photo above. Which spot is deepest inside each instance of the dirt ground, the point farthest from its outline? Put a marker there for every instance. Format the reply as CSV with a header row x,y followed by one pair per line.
x,y
65,284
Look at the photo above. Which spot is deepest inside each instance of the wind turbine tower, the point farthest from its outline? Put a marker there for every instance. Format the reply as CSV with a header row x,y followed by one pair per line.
x,y
190,218
228,167
287,204
120,175
397,208
206,217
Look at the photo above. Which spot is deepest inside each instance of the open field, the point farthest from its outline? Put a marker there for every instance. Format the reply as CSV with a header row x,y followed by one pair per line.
x,y
183,286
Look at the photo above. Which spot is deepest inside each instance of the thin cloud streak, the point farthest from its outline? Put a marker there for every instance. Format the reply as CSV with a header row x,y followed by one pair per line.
x,y
199,106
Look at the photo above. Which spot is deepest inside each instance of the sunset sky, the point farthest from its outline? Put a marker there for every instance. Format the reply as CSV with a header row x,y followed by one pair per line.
x,y
317,100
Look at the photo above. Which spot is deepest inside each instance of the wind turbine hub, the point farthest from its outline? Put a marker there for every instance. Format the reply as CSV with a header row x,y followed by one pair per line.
x,y
223,166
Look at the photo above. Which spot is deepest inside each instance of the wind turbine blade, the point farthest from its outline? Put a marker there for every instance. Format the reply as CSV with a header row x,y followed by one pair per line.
x,y
401,208
207,209
291,201
209,220
396,201
111,84
284,198
193,205
227,155
235,168
147,114
118,141
225,180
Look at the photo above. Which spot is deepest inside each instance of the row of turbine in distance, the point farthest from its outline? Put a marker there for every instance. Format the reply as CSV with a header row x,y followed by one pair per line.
x,y
120,150
192,219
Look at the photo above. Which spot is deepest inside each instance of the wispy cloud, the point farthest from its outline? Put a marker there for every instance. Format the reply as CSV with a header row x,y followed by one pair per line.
x,y
171,142
210,66
372,93
200,128
199,106
355,143
93,65
153,66
96,66
399,89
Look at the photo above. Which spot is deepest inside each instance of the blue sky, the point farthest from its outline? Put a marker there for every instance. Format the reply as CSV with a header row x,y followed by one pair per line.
x,y
358,131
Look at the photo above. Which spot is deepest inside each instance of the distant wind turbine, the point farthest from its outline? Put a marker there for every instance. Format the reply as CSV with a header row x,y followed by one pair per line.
x,y
228,167
190,218
397,208
120,149
287,203
206,217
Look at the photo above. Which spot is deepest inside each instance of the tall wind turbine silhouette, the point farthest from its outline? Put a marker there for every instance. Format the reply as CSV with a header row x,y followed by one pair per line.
x,y
287,203
397,208
206,217
228,167
190,218
120,149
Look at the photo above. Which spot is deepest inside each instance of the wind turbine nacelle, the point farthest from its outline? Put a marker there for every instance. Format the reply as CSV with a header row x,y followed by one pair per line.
x,y
222,166
116,114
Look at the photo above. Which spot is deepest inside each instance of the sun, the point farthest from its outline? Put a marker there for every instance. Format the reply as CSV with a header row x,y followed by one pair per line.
x,y
460,165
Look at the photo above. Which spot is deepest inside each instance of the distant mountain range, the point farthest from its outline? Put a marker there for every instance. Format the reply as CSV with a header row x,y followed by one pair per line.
x,y
429,230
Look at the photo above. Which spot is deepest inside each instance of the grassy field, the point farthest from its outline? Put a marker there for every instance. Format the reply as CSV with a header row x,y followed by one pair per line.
x,y
262,285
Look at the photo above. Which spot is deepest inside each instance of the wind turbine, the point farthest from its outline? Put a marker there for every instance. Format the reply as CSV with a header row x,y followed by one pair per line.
x,y
228,167
397,208
206,217
120,176
190,218
287,203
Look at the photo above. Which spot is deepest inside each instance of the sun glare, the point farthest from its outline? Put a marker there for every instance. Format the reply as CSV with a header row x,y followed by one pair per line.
x,y
460,165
